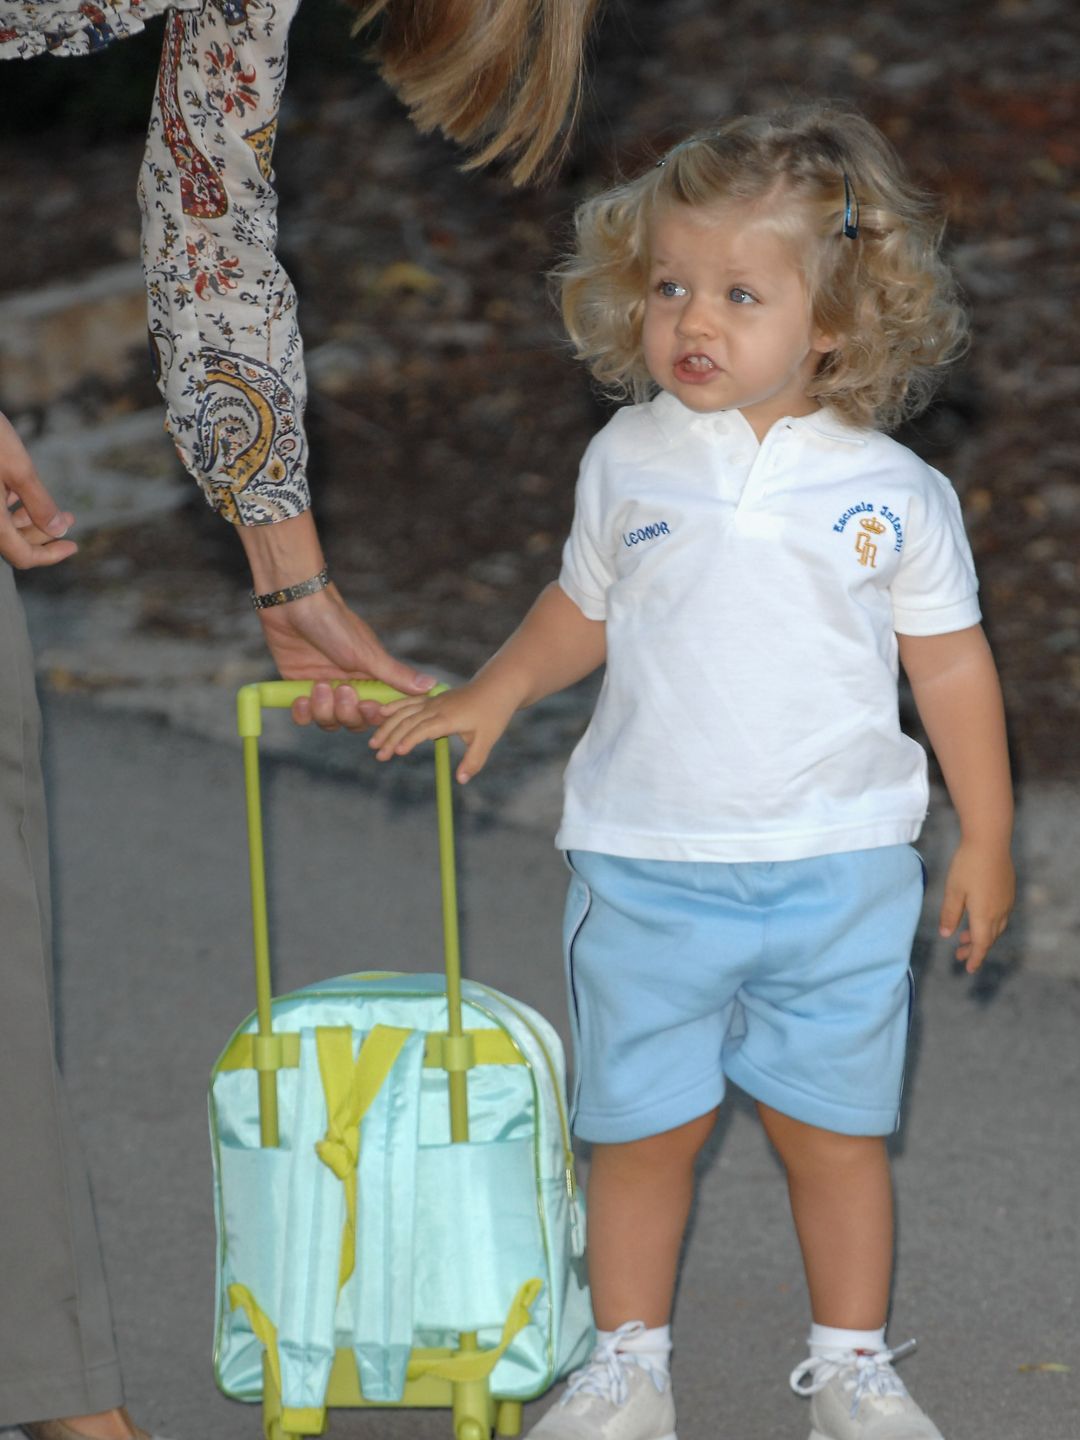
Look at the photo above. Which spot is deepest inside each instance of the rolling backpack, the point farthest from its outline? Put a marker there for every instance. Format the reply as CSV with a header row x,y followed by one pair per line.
x,y
398,1218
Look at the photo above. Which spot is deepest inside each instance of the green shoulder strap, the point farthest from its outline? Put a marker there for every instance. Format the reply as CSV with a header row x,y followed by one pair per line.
x,y
350,1088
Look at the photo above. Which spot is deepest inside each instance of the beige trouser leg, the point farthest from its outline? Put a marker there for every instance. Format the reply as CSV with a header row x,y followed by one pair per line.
x,y
57,1353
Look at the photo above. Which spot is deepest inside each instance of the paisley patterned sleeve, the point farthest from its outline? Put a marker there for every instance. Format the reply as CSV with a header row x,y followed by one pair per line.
x,y
71,27
222,312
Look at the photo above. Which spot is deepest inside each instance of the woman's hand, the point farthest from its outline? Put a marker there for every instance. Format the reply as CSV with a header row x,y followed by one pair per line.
x,y
31,524
320,638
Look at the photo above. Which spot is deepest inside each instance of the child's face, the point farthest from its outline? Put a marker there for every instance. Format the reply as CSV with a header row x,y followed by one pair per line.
x,y
727,317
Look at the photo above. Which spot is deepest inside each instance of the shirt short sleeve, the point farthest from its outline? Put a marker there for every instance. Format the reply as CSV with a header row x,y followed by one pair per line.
x,y
935,590
587,570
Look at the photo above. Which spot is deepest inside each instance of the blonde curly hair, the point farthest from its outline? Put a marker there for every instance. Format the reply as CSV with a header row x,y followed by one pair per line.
x,y
886,292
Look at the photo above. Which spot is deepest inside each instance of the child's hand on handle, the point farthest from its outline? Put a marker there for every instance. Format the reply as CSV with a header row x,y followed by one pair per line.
x,y
554,646
478,712
31,524
980,882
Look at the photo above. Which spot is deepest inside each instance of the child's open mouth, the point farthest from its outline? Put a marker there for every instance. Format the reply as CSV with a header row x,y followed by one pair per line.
x,y
694,368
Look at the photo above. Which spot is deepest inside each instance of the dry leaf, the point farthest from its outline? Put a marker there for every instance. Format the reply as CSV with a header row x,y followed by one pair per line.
x,y
404,275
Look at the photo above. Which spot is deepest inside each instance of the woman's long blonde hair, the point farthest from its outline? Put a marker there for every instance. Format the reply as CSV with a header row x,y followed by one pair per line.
x,y
502,77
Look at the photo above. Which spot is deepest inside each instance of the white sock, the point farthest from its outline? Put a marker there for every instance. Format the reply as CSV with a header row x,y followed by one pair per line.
x,y
655,1344
827,1340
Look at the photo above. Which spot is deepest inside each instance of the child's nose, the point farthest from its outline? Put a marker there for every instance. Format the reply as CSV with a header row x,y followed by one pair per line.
x,y
695,318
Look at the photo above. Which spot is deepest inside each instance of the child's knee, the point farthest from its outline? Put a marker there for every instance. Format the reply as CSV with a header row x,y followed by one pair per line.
x,y
684,1142
807,1150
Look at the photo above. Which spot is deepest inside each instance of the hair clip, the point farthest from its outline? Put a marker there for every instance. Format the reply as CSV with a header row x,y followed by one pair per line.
x,y
681,145
851,210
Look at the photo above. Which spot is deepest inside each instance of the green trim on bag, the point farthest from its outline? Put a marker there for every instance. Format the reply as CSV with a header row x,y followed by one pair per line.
x,y
489,1047
478,1364
455,1366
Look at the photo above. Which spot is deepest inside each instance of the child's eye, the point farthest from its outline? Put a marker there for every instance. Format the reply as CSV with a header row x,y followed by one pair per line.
x,y
741,296
670,290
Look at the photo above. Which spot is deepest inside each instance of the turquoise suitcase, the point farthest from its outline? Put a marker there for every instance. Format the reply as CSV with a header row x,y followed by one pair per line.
x,y
398,1218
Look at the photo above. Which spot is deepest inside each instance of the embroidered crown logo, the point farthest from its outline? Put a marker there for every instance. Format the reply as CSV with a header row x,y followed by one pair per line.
x,y
864,545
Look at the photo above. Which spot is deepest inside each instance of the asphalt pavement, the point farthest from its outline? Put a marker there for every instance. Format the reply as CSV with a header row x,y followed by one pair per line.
x,y
155,972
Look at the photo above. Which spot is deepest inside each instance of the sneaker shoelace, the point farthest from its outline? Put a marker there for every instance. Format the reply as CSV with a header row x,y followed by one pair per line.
x,y
863,1374
605,1374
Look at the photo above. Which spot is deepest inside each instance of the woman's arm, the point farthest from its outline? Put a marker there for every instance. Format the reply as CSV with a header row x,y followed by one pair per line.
x,y
222,310
223,331
553,647
955,684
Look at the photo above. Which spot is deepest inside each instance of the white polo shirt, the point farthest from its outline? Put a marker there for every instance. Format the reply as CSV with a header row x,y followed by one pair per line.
x,y
752,596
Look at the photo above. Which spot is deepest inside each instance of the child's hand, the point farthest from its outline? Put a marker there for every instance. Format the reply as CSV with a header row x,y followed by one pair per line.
x,y
477,712
980,881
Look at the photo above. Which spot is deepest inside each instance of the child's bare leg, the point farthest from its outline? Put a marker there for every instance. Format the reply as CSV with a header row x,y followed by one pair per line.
x,y
841,1201
639,1200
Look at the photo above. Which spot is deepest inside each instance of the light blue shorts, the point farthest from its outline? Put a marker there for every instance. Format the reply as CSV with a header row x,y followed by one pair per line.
x,y
789,978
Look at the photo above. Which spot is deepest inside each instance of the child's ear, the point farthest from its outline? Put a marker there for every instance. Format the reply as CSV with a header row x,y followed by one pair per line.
x,y
824,343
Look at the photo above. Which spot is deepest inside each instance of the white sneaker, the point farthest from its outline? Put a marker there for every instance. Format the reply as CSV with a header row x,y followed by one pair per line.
x,y
618,1395
861,1397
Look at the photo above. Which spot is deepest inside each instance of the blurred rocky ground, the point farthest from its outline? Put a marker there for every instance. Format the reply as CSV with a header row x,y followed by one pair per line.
x,y
446,419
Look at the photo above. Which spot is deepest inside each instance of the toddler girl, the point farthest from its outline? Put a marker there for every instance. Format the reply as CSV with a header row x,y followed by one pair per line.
x,y
752,557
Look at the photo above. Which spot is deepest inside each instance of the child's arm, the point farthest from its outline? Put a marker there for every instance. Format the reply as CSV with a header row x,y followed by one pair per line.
x,y
956,690
554,646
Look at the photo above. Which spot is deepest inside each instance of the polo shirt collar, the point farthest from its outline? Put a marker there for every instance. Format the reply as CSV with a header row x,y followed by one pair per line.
x,y
828,423
674,417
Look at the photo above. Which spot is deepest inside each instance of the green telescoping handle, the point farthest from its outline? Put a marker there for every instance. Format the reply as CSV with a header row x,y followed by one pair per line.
x,y
279,695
